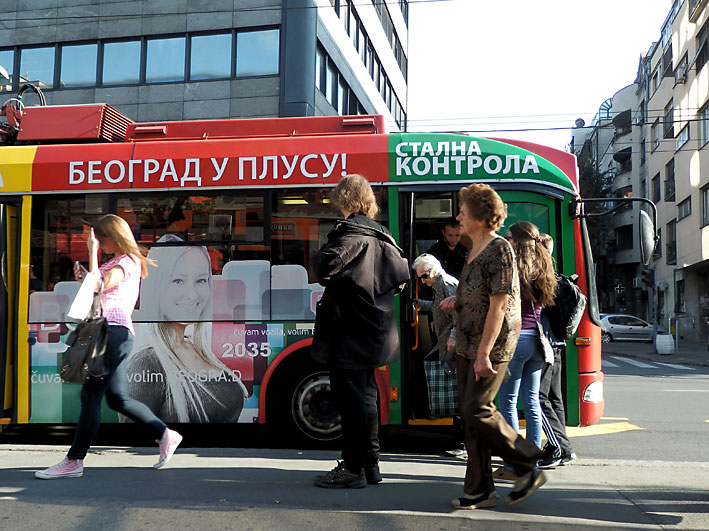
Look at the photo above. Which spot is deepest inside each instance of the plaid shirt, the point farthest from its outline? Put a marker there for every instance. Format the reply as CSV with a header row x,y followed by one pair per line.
x,y
119,301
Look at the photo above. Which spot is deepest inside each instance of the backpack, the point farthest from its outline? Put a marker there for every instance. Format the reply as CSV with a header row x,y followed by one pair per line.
x,y
569,305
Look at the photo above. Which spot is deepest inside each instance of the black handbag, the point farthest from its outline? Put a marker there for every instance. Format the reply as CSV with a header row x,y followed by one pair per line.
x,y
86,358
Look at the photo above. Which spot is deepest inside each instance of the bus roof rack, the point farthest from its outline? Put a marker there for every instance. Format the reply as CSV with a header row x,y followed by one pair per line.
x,y
255,128
72,123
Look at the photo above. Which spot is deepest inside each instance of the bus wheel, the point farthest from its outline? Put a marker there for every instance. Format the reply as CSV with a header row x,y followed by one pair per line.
x,y
313,408
606,337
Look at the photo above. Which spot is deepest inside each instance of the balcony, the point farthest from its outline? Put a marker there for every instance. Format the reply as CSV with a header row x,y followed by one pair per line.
x,y
623,158
695,9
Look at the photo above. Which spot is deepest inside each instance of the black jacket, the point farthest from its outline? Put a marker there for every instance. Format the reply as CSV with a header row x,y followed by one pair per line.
x,y
362,269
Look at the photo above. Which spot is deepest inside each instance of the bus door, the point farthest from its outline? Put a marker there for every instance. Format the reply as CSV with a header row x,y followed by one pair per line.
x,y
9,310
424,212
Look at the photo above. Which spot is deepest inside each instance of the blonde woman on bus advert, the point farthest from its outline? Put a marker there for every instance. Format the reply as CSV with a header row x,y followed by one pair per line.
x,y
537,282
362,269
173,369
487,328
121,276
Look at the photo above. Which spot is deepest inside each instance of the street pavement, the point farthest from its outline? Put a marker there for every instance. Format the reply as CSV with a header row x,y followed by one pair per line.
x,y
272,489
688,353
236,488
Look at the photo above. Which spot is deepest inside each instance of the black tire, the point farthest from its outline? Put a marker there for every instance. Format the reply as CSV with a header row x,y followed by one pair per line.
x,y
300,402
312,407
606,337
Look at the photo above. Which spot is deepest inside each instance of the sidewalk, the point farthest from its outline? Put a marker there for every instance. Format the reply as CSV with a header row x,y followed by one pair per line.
x,y
688,353
272,489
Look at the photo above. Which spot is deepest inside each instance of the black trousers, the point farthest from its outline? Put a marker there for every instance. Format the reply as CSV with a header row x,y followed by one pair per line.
x,y
115,388
355,394
553,412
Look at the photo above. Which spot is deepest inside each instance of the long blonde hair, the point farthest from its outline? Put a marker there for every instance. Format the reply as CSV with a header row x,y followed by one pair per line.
x,y
116,229
182,392
537,280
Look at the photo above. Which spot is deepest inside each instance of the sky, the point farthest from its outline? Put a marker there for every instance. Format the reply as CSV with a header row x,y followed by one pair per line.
x,y
490,67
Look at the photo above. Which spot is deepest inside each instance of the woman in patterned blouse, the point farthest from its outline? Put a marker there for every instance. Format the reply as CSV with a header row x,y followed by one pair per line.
x,y
487,329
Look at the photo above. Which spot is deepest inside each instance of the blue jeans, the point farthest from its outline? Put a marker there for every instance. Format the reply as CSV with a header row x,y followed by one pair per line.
x,y
525,376
115,388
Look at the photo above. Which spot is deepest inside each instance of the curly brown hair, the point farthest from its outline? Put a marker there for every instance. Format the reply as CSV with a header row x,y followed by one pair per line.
x,y
537,280
483,203
354,193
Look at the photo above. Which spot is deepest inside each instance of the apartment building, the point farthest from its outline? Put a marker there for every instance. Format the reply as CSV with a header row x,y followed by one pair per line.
x,y
160,60
660,149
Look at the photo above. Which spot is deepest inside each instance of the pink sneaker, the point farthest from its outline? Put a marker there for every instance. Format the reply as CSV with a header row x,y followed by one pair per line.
x,y
168,444
66,468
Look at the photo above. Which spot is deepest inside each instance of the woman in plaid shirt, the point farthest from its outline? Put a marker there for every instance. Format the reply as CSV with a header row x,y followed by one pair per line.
x,y
121,282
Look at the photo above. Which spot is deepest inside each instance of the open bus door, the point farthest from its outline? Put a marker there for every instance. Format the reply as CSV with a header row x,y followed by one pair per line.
x,y
9,311
425,209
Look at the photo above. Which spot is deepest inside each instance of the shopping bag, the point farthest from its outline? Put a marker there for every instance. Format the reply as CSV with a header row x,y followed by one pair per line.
x,y
81,306
442,389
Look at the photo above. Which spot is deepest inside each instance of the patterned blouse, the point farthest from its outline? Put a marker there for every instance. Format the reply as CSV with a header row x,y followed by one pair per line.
x,y
492,271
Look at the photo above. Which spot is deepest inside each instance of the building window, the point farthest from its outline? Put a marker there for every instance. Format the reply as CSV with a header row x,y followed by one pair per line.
x,y
670,180
210,56
342,90
654,135
671,254
331,92
658,247
121,63
684,208
680,304
701,40
7,61
681,70
257,53
683,136
655,83
320,69
37,66
656,189
624,237
705,206
165,60
703,118
78,65
643,188
667,121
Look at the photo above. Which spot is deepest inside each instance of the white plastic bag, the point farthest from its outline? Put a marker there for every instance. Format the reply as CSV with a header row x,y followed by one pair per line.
x,y
81,306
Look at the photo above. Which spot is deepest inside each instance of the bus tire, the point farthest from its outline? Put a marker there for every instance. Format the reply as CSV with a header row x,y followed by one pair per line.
x,y
303,403
313,408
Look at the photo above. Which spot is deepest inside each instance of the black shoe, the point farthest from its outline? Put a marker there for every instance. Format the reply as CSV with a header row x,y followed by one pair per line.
x,y
567,458
549,462
550,451
340,478
479,502
372,474
525,486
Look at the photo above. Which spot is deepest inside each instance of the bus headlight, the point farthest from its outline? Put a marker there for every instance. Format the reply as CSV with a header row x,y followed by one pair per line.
x,y
593,392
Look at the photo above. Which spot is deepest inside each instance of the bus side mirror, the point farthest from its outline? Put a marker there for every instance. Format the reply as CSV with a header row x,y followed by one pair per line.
x,y
646,230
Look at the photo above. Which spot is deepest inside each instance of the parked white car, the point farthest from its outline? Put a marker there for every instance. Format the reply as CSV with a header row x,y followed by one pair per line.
x,y
624,327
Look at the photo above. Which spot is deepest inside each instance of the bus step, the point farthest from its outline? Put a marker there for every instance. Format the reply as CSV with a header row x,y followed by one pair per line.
x,y
445,421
